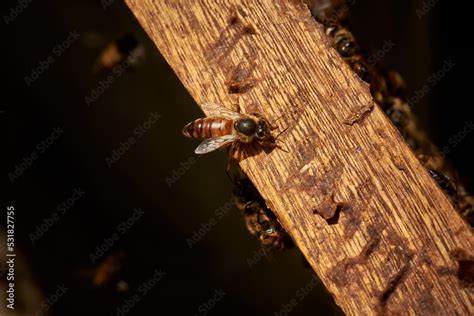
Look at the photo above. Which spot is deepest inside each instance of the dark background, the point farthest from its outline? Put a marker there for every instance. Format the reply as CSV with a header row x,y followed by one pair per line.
x,y
138,180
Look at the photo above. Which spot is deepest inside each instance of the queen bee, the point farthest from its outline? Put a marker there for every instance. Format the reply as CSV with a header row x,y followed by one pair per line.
x,y
223,127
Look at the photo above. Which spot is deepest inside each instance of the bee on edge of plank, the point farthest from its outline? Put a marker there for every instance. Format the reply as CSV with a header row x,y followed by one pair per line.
x,y
259,219
224,127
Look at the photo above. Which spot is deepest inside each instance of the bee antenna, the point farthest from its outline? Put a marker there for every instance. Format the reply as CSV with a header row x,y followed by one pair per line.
x,y
275,120
277,139
278,118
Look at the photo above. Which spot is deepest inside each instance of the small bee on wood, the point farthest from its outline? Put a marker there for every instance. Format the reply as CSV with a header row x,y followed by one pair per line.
x,y
445,184
345,44
260,220
223,127
343,41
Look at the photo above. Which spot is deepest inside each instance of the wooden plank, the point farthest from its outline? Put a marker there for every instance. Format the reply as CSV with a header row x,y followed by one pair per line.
x,y
373,224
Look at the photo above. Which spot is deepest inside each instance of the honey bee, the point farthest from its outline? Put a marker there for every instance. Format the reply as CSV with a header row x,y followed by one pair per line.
x,y
260,220
223,127
343,40
445,184
345,44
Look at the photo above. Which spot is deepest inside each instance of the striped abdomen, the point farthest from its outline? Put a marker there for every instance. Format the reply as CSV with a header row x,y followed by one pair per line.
x,y
208,127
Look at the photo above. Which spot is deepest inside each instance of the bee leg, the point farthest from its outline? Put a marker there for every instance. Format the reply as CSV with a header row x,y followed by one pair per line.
x,y
238,106
274,126
282,148
233,151
284,130
271,145
232,176
229,161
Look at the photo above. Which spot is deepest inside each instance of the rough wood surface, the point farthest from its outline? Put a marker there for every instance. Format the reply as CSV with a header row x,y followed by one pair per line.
x,y
368,217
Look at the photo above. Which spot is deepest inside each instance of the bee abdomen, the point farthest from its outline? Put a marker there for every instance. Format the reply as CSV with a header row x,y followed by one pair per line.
x,y
208,127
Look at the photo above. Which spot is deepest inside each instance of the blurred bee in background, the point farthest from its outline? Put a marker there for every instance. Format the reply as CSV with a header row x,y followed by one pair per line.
x,y
260,220
106,271
125,48
394,83
466,205
223,127
329,12
389,90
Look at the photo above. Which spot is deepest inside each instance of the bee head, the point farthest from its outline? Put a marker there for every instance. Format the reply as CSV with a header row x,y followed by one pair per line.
x,y
263,131
272,235
255,127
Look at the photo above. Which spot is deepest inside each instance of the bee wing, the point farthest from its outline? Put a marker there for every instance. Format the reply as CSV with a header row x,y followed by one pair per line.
x,y
212,109
211,144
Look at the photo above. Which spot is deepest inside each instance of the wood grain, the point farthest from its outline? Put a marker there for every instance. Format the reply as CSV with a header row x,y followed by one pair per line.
x,y
374,225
